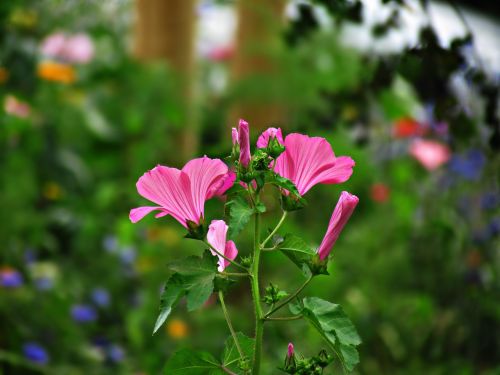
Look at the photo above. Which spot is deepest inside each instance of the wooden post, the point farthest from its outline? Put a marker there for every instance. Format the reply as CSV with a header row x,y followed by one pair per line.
x,y
165,30
259,26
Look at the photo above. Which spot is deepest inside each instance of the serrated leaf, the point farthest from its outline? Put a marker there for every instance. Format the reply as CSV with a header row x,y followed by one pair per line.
x,y
172,293
196,266
334,325
298,251
188,362
239,214
231,357
282,182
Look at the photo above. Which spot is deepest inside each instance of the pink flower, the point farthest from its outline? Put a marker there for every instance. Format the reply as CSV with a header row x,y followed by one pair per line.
x,y
430,154
341,214
78,49
53,45
234,136
181,193
244,141
290,350
269,134
308,161
15,107
216,237
221,54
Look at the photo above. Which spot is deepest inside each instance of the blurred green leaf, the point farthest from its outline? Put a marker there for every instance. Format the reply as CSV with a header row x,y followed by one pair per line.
x,y
334,325
239,215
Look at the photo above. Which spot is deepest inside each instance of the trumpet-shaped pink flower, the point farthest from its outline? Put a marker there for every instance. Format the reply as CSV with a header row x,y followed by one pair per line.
x,y
244,141
308,161
269,134
216,236
430,154
341,214
182,193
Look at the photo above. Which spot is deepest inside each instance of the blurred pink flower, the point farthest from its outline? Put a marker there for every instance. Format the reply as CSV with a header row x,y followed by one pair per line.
x,y
234,136
290,350
244,141
308,161
15,107
269,134
53,45
430,154
181,193
78,49
221,54
341,214
216,236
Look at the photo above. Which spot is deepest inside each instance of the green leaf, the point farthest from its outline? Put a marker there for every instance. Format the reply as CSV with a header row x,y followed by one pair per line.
x,y
188,362
282,182
240,213
298,251
231,357
172,293
334,325
194,278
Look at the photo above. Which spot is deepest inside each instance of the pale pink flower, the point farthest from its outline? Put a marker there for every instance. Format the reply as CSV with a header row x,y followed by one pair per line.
x,y
181,193
244,141
290,350
16,107
269,134
78,49
216,236
341,214
308,161
430,154
221,54
235,136
53,45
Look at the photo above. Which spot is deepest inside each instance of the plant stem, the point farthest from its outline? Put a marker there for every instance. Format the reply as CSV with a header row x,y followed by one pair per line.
x,y
283,217
259,323
226,258
285,318
230,326
288,299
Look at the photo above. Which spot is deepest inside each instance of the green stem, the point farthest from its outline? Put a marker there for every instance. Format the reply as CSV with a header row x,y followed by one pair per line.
x,y
230,325
259,323
285,318
225,257
283,217
288,299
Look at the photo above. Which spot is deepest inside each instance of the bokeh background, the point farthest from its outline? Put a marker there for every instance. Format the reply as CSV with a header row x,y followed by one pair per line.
x,y
94,93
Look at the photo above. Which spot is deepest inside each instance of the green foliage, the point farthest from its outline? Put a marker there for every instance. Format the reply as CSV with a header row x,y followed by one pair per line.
x,y
333,325
239,214
298,251
188,362
273,294
194,278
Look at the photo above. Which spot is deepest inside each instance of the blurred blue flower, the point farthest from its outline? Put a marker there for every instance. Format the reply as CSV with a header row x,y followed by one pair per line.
x,y
490,200
101,297
29,255
83,313
35,353
116,353
44,283
494,227
128,255
10,278
110,243
469,165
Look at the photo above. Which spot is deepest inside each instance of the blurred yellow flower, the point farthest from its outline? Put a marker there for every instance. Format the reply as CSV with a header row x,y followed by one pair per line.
x,y
54,71
144,264
349,113
25,18
177,329
4,75
52,191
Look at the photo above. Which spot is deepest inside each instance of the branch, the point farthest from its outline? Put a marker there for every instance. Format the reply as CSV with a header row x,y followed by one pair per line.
x,y
287,300
283,217
229,324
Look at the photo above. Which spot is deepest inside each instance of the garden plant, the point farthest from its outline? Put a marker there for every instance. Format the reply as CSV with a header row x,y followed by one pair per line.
x,y
292,165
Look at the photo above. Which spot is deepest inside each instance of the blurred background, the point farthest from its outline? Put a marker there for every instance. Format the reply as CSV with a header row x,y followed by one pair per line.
x,y
94,93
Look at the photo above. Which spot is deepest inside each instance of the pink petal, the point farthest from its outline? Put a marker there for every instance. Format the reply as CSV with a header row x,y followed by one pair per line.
x,y
216,237
244,141
268,134
53,45
230,252
137,214
305,160
339,173
169,188
430,154
341,214
207,177
234,136
290,350
79,49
